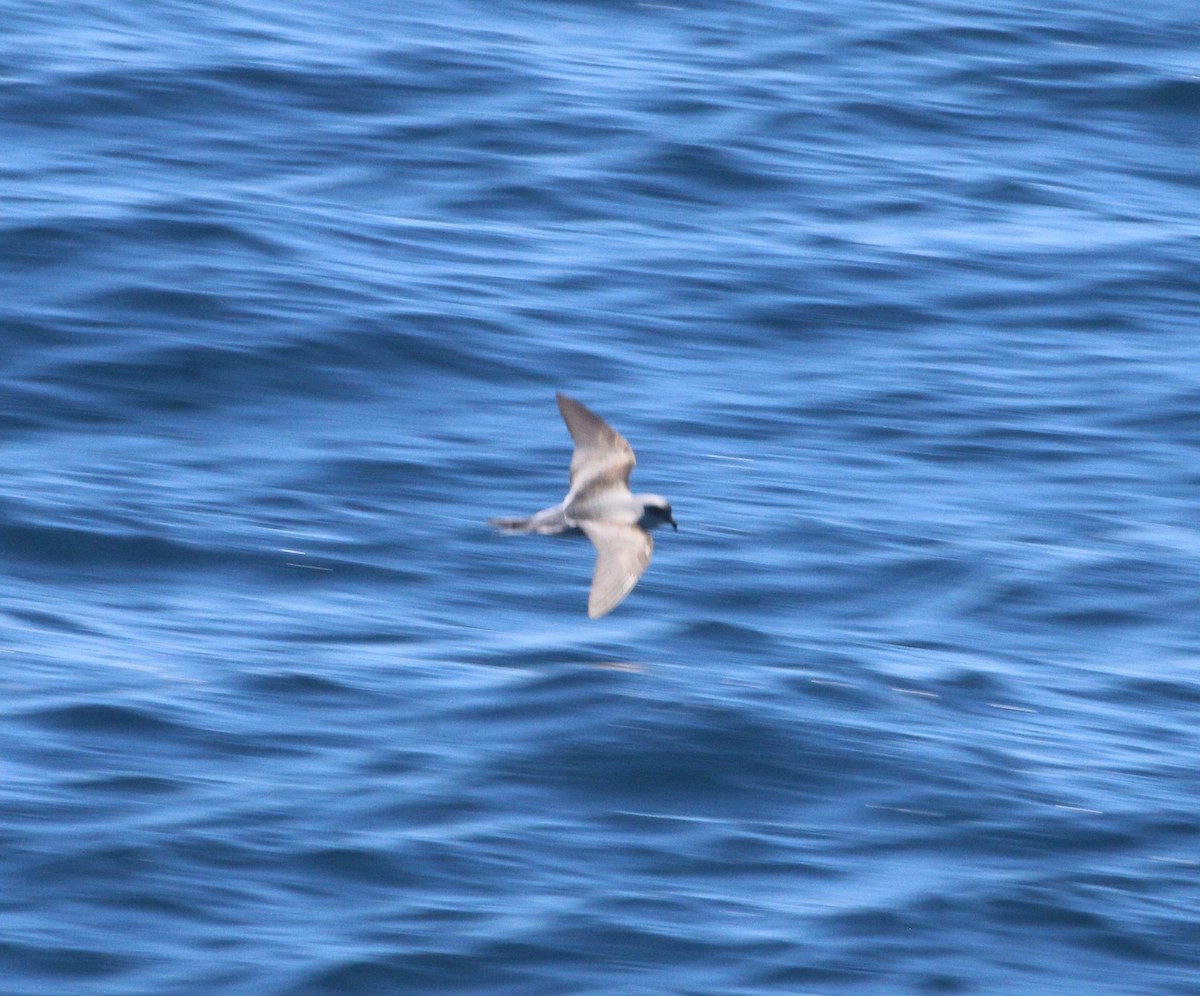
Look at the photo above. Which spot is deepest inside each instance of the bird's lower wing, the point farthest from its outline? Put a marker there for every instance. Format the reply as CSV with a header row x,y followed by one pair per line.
x,y
622,556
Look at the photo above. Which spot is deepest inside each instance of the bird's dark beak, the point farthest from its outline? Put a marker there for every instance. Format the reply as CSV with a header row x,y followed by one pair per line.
x,y
673,526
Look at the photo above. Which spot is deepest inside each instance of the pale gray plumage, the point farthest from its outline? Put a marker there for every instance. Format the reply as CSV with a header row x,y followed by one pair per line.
x,y
600,505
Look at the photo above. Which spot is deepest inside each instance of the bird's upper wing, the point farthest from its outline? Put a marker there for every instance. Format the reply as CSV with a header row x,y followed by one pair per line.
x,y
602,455
622,556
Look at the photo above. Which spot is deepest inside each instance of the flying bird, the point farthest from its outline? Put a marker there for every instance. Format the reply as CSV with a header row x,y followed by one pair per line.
x,y
600,505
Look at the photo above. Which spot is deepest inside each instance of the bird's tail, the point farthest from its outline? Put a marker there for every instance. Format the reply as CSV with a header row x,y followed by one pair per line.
x,y
522,525
548,522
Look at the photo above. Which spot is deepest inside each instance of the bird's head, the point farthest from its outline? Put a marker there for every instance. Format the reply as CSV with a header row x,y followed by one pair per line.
x,y
655,511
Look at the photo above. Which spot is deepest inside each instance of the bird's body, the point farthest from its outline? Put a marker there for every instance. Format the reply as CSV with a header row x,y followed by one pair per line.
x,y
600,505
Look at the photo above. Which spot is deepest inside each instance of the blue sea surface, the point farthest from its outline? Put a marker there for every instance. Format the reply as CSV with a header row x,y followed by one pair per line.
x,y
898,303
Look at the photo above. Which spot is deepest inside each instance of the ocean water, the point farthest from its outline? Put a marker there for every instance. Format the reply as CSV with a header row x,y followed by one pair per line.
x,y
898,303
